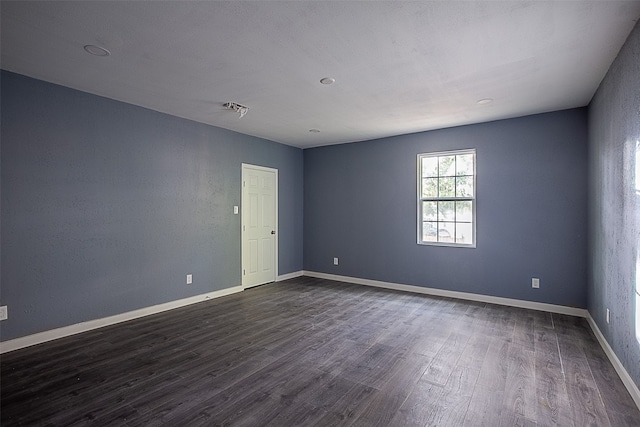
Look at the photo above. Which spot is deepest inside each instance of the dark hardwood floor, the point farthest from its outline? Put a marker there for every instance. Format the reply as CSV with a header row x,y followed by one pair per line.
x,y
310,352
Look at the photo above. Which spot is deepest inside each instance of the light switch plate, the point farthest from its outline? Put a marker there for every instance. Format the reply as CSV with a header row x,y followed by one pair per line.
x,y
235,210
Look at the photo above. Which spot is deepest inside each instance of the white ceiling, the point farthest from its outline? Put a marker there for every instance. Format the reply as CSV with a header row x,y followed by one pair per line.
x,y
400,67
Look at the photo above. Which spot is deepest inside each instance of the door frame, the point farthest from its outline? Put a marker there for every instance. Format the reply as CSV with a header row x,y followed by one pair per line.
x,y
246,166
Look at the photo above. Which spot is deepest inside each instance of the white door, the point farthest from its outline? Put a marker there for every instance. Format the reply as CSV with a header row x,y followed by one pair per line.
x,y
259,219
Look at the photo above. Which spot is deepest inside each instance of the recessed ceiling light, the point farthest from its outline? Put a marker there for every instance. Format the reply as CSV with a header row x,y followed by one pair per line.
x,y
484,101
96,50
314,130
327,80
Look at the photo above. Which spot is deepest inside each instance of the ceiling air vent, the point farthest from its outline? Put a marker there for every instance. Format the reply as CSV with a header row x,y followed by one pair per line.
x,y
236,107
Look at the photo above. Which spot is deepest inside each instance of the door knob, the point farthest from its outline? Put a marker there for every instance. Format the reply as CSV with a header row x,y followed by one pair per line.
x,y
273,232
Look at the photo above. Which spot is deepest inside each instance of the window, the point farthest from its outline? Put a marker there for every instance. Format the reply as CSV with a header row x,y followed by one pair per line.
x,y
447,198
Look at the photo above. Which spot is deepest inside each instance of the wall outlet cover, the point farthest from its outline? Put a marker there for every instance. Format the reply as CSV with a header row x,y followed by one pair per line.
x,y
4,314
189,279
335,261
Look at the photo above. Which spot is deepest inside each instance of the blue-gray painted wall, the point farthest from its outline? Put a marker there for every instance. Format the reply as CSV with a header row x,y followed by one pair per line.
x,y
361,206
107,206
614,205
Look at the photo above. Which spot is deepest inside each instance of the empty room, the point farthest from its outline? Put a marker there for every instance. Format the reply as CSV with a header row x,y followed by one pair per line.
x,y
320,213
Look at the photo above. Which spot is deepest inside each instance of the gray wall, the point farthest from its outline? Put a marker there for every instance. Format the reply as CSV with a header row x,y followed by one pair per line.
x,y
106,206
360,205
614,205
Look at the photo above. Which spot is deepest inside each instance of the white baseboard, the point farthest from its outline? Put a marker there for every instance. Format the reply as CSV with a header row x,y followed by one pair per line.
x,y
41,337
622,372
560,309
289,276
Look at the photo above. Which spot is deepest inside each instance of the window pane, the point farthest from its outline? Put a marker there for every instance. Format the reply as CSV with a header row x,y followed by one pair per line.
x,y
429,231
429,166
446,197
446,231
464,164
446,187
430,187
447,165
446,211
464,211
464,186
464,233
429,211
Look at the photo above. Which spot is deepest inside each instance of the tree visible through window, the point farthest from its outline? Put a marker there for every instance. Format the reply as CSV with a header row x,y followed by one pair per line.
x,y
446,198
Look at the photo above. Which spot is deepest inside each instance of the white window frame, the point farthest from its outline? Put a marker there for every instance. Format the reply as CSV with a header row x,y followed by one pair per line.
x,y
472,198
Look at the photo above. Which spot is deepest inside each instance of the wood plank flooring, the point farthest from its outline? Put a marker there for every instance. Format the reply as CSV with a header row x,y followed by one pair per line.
x,y
311,352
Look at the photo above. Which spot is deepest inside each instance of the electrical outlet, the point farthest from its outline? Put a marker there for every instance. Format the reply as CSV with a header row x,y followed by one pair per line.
x,y
535,282
4,315
189,279
608,315
335,261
